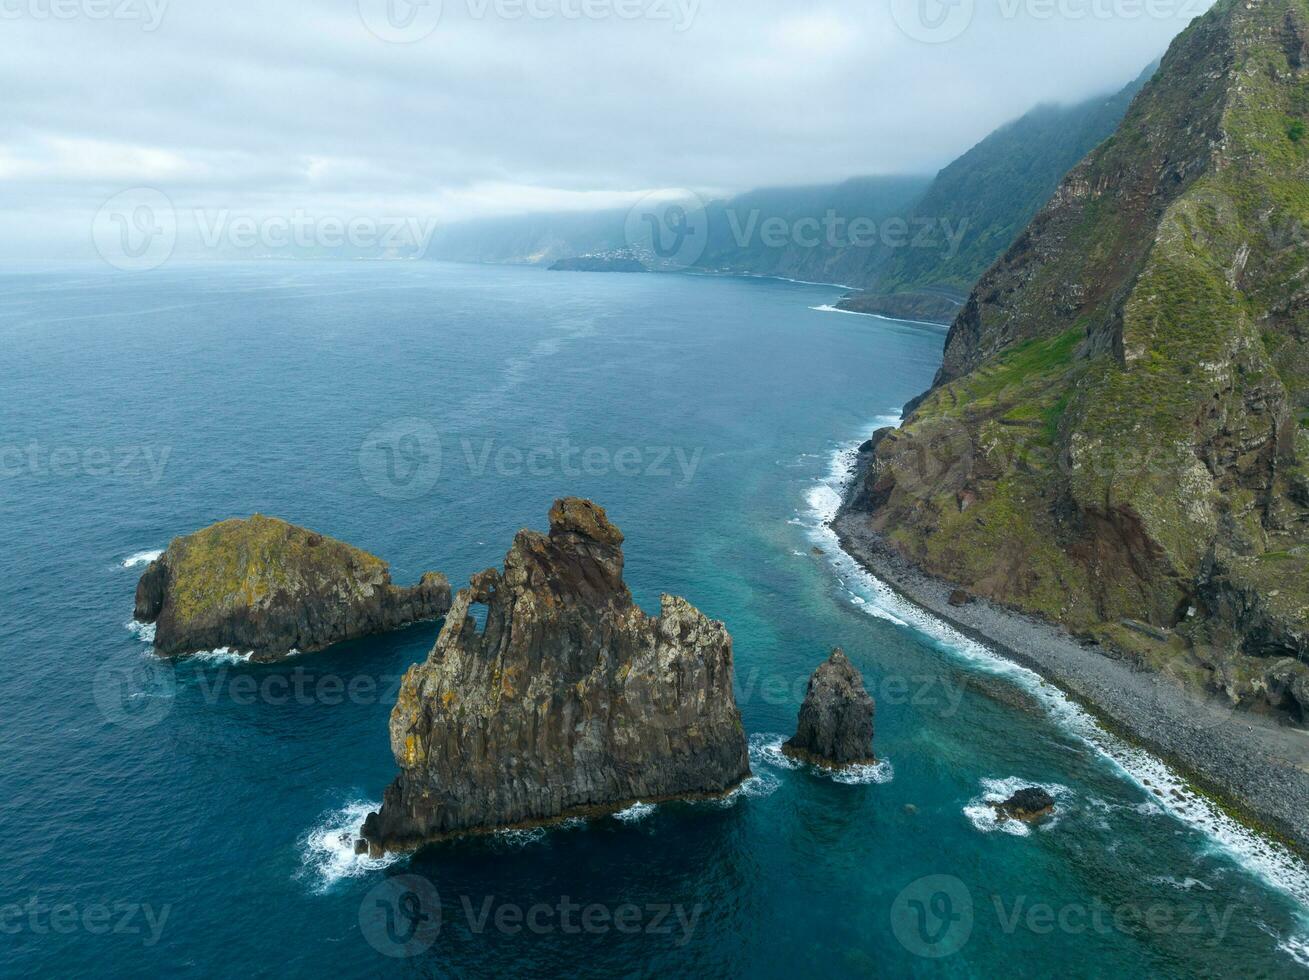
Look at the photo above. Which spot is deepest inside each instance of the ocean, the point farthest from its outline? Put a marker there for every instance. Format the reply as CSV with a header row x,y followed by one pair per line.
x,y
194,818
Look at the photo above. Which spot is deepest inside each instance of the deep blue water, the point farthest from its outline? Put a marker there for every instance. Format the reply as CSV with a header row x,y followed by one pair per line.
x,y
185,820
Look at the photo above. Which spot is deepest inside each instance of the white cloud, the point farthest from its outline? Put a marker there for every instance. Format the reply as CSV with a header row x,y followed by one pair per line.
x,y
262,106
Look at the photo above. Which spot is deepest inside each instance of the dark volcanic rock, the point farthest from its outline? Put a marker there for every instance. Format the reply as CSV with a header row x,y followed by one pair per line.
x,y
1027,805
270,588
571,700
1116,440
836,720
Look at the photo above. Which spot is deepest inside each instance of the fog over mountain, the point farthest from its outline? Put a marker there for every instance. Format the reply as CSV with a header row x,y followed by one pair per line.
x,y
509,106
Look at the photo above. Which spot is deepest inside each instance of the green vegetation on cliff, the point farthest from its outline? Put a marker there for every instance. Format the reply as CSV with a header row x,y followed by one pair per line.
x,y
946,230
264,586
991,192
1115,433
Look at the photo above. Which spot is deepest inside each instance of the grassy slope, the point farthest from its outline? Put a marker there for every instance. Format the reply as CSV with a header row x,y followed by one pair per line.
x,y
1122,407
243,563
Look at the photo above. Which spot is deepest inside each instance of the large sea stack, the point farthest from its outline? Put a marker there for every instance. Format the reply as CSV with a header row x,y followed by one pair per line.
x,y
569,701
268,588
835,729
1119,432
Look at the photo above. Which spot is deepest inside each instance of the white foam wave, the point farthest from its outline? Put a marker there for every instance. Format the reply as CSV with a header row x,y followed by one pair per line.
x,y
521,837
1181,884
636,812
140,558
758,786
145,632
328,850
828,308
766,750
981,812
1270,861
1297,947
223,655
871,775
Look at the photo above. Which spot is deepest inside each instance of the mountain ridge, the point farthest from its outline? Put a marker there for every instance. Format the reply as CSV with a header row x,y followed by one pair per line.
x,y
1116,434
955,223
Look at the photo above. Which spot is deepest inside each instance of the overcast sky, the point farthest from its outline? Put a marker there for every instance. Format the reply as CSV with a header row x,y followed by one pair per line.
x,y
381,108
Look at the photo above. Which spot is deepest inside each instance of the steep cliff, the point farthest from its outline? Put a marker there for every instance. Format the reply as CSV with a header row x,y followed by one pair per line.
x,y
1117,436
268,588
569,700
988,196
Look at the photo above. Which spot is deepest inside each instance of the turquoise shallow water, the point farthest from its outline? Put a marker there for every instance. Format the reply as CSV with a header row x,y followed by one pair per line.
x,y
188,819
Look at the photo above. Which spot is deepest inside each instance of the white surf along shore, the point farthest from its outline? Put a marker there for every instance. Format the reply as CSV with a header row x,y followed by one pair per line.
x,y
1269,860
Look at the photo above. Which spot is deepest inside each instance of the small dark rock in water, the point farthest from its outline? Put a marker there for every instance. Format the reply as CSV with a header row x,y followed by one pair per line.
x,y
569,701
268,588
960,598
818,551
1027,805
910,809
835,729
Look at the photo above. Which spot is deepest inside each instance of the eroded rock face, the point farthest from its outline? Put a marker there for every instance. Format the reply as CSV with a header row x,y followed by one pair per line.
x,y
1118,431
1028,805
269,588
571,700
836,719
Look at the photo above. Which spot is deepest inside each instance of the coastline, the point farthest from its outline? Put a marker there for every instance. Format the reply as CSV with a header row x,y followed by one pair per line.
x,y
1253,768
942,327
